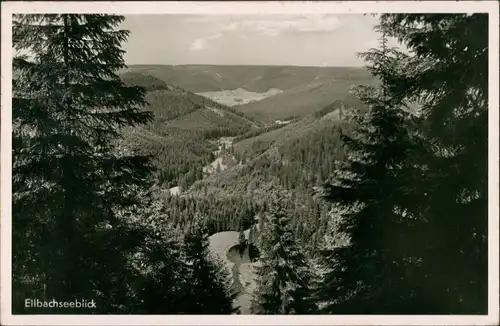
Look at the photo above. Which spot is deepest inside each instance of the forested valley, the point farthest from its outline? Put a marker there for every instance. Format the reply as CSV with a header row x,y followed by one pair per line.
x,y
368,205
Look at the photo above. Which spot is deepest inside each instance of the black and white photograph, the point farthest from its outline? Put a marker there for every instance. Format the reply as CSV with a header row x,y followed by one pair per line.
x,y
229,160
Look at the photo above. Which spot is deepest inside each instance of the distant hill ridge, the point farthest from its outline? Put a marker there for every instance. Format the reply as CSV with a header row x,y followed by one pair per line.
x,y
210,78
296,91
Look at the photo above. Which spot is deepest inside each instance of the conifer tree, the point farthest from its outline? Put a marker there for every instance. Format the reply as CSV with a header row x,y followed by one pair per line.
x,y
449,78
163,276
283,274
366,190
73,189
209,289
412,200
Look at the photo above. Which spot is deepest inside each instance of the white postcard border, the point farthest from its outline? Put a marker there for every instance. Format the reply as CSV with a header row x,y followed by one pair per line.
x,y
213,8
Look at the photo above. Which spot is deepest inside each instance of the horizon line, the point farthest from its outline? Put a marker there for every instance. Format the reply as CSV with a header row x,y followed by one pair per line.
x,y
238,65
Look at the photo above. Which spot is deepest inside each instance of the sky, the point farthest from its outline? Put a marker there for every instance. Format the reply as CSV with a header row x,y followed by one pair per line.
x,y
279,39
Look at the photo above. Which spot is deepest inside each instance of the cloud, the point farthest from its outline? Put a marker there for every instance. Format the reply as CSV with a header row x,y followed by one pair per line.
x,y
260,25
275,27
198,45
271,25
201,43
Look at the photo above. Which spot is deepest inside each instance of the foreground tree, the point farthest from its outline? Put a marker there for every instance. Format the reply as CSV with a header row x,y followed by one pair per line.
x,y
73,190
449,77
411,199
367,189
283,274
162,275
209,289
